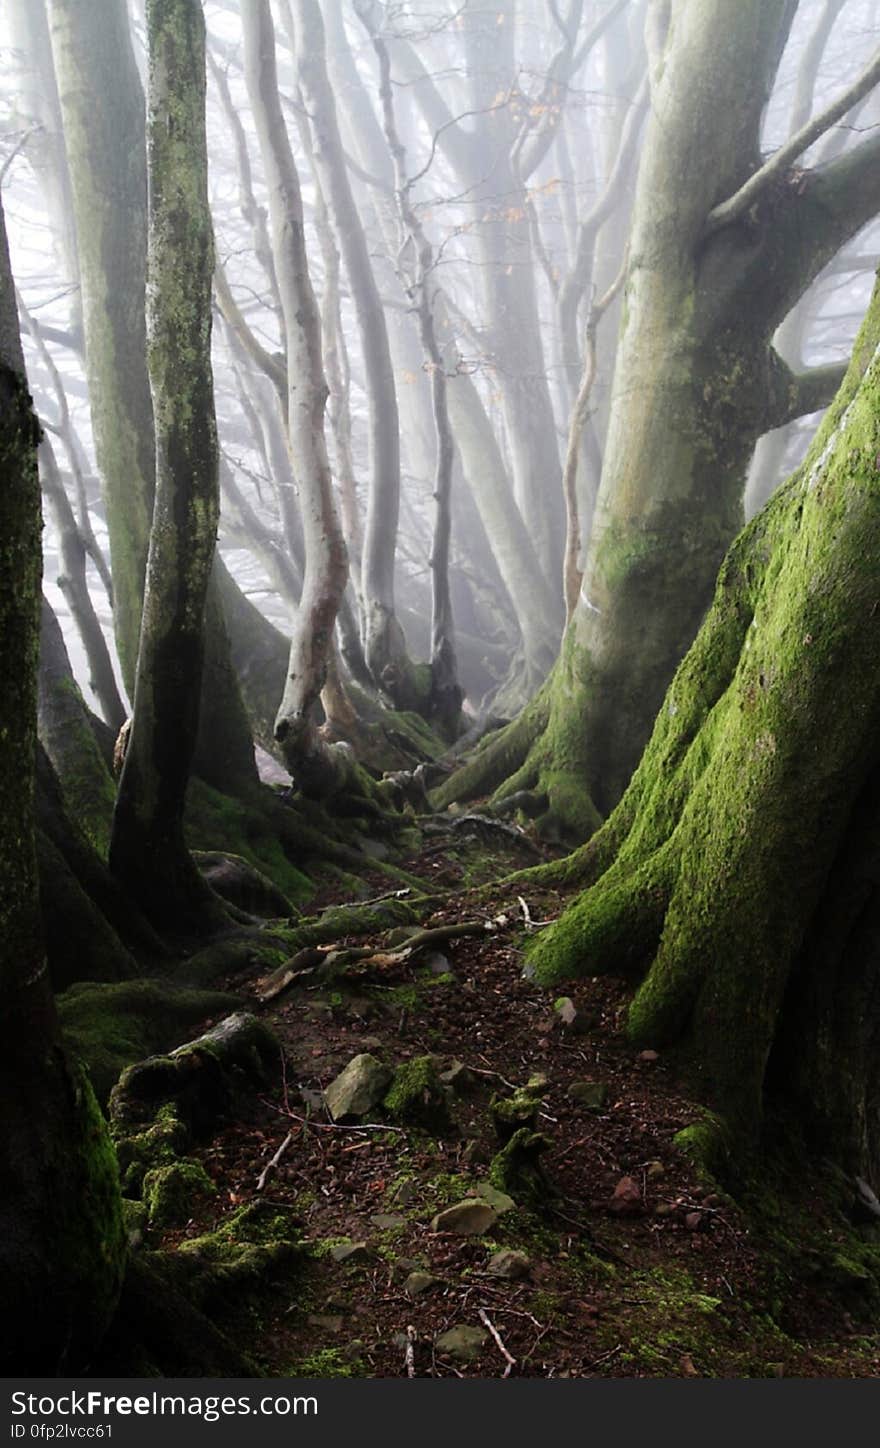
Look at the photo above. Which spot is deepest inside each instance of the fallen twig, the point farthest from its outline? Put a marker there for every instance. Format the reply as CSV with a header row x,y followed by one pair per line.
x,y
487,1322
271,1165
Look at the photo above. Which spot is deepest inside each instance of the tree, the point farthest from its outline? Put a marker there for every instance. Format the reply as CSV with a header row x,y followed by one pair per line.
x,y
62,1244
738,880
310,760
721,247
147,849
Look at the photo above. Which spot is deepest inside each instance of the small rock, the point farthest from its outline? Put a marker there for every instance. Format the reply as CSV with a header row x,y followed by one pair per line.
x,y
405,1192
330,1324
463,1343
694,1221
592,1095
655,1170
460,1077
313,1099
627,1199
568,1015
350,1252
687,1367
418,1282
358,1089
437,962
500,1201
469,1218
664,1209
386,1220
649,1055
509,1264
402,1267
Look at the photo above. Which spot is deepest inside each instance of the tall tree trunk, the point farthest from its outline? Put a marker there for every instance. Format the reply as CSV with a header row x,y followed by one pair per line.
x,y
310,760
62,1245
384,643
147,850
738,878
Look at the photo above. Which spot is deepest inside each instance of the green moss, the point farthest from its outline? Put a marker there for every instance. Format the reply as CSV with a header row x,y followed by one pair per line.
x,y
517,1169
243,1249
416,1096
216,822
512,1113
158,1146
171,1192
707,1145
111,1026
328,1362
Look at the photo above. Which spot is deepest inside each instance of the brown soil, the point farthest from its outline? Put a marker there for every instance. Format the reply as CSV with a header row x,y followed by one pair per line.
x,y
681,1284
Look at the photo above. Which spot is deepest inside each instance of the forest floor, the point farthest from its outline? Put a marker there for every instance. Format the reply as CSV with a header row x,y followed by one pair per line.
x,y
633,1263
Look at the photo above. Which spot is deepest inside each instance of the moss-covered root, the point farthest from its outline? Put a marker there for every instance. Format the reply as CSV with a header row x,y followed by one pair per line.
x,y
202,1077
499,757
112,1026
745,793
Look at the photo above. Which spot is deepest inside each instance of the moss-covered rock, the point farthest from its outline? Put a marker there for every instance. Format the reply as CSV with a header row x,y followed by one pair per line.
x,y
416,1096
511,1113
517,1167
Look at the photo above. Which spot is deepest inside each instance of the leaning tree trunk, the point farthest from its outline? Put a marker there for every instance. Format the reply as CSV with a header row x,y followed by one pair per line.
x,y
739,877
62,1245
147,849
696,382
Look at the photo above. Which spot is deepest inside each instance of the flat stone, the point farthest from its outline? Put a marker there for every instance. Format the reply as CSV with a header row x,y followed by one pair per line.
x,y
331,1324
386,1220
592,1095
358,1089
351,1252
468,1218
463,1343
509,1264
402,1267
418,1282
649,1056
500,1201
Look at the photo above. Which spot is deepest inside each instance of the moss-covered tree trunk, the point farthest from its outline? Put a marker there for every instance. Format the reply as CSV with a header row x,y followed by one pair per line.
x,y
696,382
147,849
738,878
61,1237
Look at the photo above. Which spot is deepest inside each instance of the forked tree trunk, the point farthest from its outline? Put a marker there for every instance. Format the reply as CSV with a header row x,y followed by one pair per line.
x,y
739,877
62,1245
147,849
